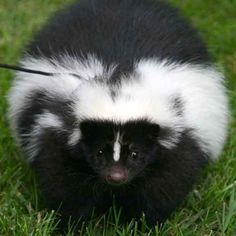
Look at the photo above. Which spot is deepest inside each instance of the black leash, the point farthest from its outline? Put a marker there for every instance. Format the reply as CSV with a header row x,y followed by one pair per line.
x,y
26,70
17,68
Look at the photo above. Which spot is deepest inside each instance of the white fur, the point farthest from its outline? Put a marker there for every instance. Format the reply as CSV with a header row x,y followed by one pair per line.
x,y
117,148
134,101
48,120
202,91
147,94
74,137
42,122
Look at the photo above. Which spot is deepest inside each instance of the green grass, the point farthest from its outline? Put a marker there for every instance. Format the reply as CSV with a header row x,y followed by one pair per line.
x,y
209,210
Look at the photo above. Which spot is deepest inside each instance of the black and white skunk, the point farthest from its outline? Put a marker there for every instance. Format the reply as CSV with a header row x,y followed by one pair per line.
x,y
130,109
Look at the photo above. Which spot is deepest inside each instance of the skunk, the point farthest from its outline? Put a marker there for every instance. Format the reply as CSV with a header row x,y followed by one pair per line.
x,y
129,108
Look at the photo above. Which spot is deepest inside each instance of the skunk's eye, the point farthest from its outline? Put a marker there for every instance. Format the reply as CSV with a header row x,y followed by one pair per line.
x,y
100,153
134,155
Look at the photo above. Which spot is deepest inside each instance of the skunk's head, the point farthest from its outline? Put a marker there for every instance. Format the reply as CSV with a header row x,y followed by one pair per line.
x,y
119,152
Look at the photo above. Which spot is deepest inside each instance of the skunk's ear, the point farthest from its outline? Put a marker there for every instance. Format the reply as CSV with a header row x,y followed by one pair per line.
x,y
153,133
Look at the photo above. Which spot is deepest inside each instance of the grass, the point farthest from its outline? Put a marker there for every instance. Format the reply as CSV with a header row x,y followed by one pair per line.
x,y
209,210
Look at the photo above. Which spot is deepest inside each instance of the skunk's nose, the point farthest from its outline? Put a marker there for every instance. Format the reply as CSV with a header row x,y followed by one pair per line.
x,y
117,175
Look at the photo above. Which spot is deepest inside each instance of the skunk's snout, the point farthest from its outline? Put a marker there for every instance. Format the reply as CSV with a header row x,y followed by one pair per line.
x,y
117,175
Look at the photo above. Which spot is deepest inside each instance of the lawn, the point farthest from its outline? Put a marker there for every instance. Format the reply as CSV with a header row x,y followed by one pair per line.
x,y
209,210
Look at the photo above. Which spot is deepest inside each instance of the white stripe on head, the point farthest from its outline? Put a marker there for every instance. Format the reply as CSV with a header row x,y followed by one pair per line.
x,y
117,147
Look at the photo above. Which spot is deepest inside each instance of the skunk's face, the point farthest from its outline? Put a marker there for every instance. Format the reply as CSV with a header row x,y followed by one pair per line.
x,y
119,153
